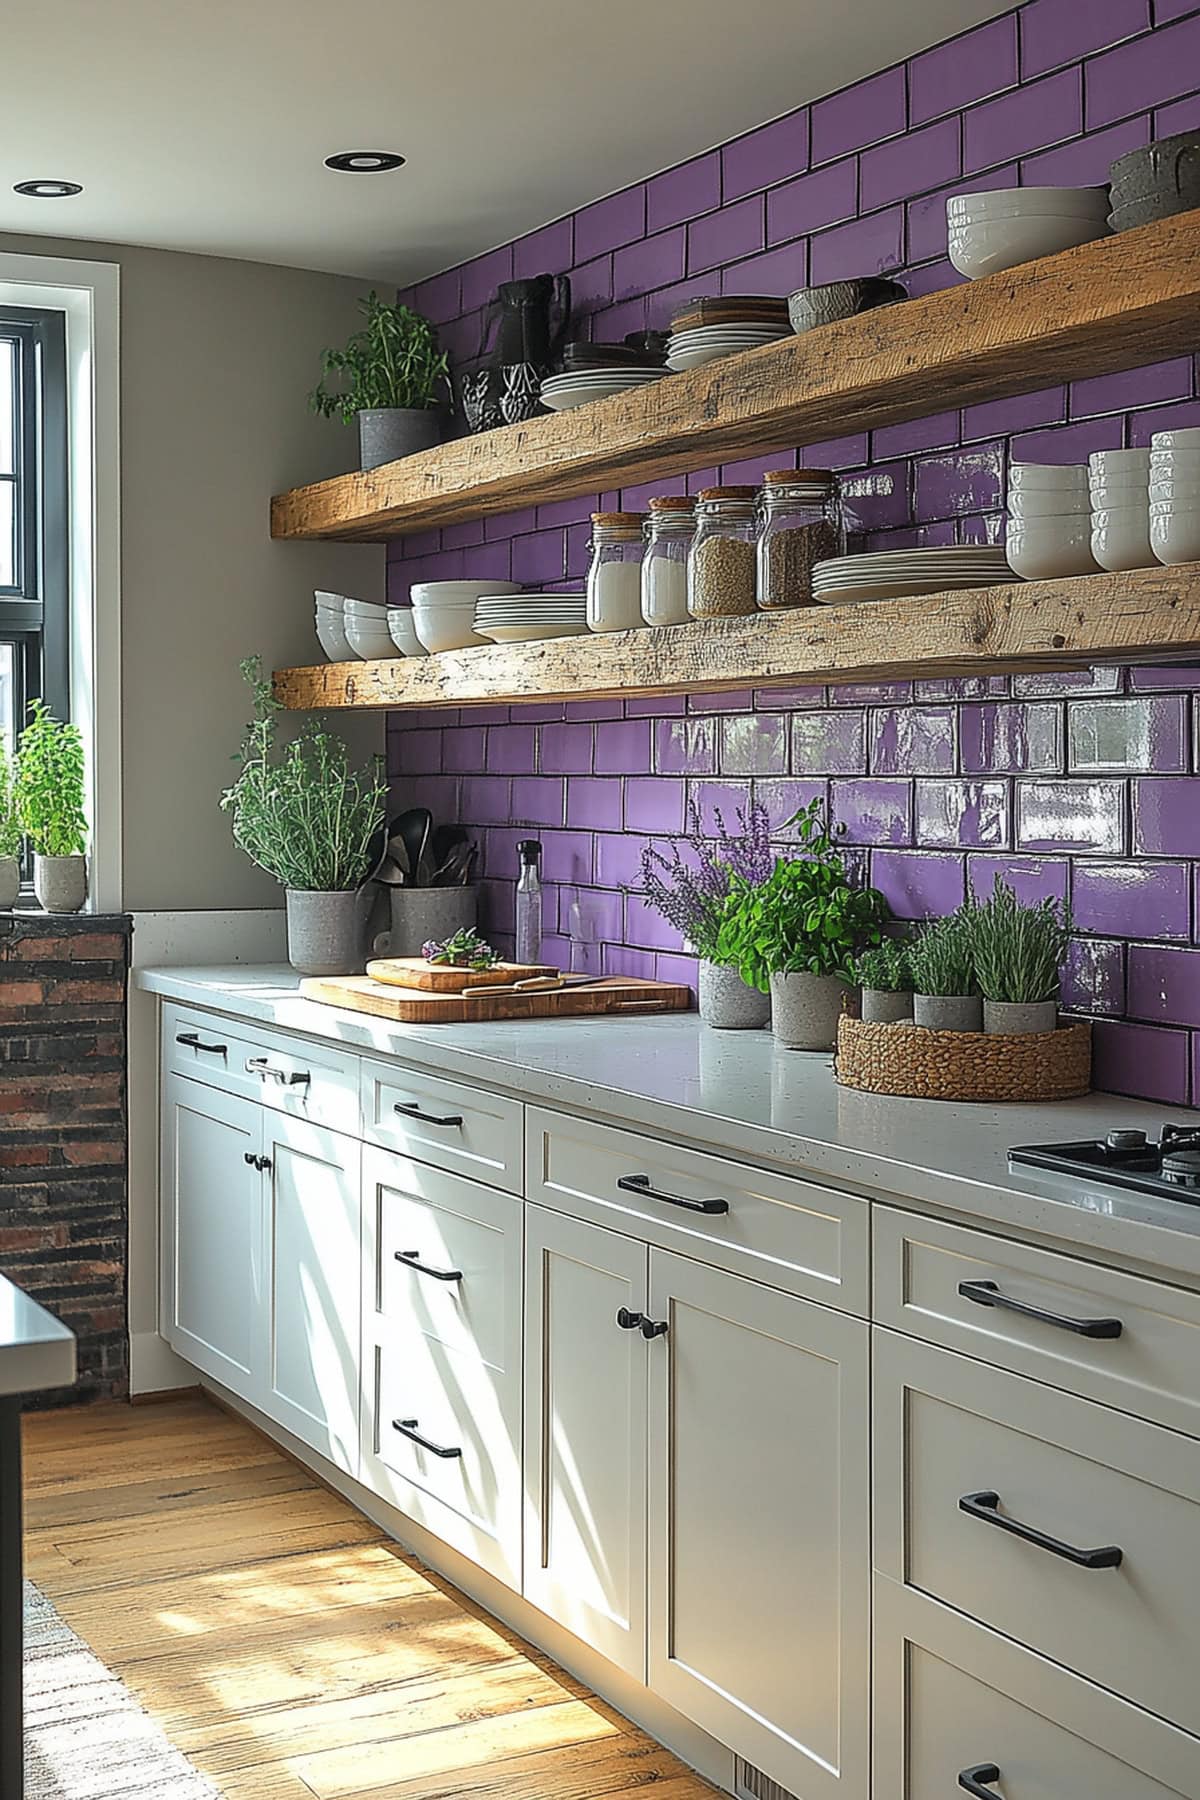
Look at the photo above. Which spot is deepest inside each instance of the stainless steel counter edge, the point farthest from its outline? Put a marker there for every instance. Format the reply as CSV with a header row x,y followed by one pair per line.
x,y
735,1092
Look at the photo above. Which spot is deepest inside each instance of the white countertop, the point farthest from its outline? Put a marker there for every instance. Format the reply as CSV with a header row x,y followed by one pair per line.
x,y
36,1352
735,1091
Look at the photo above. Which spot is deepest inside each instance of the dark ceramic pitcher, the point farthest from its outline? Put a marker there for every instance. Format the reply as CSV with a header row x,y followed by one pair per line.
x,y
526,323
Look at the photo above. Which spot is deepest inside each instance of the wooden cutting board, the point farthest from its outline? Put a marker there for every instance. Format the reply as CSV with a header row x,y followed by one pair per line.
x,y
439,978
409,1006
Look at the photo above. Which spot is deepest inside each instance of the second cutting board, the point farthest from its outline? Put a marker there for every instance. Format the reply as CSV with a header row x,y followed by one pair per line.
x,y
408,1006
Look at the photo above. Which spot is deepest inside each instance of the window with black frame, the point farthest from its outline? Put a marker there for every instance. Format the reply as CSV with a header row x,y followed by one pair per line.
x,y
34,637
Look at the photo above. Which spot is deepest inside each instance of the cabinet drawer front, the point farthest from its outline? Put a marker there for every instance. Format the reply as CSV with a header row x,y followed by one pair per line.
x,y
788,1233
952,1698
1152,1368
970,1461
451,1124
317,1082
443,1257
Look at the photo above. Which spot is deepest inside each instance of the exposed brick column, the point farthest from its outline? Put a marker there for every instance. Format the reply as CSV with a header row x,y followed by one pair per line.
x,y
63,1144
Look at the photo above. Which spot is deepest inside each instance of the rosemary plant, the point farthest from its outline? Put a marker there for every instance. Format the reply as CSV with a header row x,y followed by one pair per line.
x,y
943,956
10,825
394,361
1019,949
885,968
301,812
48,787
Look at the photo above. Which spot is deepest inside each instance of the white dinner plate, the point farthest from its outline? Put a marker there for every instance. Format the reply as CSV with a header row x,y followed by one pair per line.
x,y
526,634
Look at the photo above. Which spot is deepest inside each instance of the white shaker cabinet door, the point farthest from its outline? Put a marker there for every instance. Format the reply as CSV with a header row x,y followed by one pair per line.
x,y
314,1234
758,1524
585,1433
213,1301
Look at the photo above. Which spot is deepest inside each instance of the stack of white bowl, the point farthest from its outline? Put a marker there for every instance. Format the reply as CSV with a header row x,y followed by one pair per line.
x,y
1006,226
443,612
1120,490
1049,521
404,632
348,628
1175,495
331,629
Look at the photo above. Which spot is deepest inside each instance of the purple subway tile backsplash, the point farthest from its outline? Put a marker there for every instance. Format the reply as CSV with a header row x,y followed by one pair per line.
x,y
1083,786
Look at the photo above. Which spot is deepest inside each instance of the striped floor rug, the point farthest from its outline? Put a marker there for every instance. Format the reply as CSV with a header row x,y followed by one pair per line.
x,y
86,1737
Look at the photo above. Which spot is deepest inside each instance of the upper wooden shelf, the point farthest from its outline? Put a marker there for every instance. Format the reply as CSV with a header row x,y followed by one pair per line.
x,y
1143,616
1124,300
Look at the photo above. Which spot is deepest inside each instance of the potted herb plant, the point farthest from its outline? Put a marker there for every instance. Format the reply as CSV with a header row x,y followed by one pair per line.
x,y
10,836
1019,952
884,974
694,892
305,816
394,381
946,996
796,934
48,799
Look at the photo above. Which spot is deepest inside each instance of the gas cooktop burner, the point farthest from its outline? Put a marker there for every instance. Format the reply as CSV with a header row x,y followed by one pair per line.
x,y
1128,1159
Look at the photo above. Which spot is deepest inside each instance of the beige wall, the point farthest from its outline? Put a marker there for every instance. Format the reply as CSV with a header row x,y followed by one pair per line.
x,y
217,359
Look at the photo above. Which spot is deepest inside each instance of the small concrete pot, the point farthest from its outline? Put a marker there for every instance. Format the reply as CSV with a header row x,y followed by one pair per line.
x,y
805,1010
948,1012
326,931
882,1008
386,433
10,882
60,882
418,914
1012,1018
727,1003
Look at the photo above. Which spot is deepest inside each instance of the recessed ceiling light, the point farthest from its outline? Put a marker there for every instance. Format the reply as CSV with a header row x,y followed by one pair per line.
x,y
48,190
364,162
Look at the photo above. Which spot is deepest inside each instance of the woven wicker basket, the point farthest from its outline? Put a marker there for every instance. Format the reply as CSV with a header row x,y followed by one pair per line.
x,y
964,1065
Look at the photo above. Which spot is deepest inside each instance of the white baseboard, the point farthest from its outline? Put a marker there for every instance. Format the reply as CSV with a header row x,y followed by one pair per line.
x,y
154,1367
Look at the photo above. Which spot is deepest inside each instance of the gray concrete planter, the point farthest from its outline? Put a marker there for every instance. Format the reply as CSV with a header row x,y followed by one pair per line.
x,y
805,1010
727,1003
326,932
882,1008
60,882
10,882
387,433
1011,1018
418,914
948,1012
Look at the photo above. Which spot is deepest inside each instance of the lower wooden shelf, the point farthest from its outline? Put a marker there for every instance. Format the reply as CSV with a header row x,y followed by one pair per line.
x,y
1141,616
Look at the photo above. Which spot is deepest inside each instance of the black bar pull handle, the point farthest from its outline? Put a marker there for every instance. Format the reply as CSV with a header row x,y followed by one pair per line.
x,y
411,1260
980,1780
652,1328
194,1042
258,1065
986,1506
628,1321
411,1110
408,1428
986,1293
640,1184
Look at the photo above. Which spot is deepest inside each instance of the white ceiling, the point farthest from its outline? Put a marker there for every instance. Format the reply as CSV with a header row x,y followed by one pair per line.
x,y
203,126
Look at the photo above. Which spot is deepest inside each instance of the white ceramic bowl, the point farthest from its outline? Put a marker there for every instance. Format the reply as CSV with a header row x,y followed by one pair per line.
x,y
1057,503
1170,462
1181,490
1044,549
1187,437
368,641
432,594
1108,462
1175,536
442,630
1120,499
364,609
331,635
1029,203
1047,477
978,250
404,632
1121,538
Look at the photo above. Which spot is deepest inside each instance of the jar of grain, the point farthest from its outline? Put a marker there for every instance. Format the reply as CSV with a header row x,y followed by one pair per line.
x,y
721,565
614,582
801,525
670,524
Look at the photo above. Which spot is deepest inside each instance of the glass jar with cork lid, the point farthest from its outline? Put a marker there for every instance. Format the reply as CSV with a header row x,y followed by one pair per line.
x,y
670,524
721,564
614,580
801,525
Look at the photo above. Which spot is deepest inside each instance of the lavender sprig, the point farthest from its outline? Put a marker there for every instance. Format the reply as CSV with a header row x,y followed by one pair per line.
x,y
691,891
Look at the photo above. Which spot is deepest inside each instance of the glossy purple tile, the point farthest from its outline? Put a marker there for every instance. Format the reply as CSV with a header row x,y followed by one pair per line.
x,y
622,746
418,753
924,159
1086,161
594,709
778,271
1044,112
654,803
1136,387
510,749
790,699
684,193
813,201
1132,899
932,433
754,744
685,746
741,701
565,749
1164,984
873,812
1067,443
1125,737
1087,817
485,800
784,798
918,884
1173,675
717,800
593,805
1069,682
870,693
1054,32
1166,815
537,800
829,743
1143,425
970,67
618,219
1142,74
1031,878
617,960
1024,412
859,115
962,687
912,740
482,277
723,236
877,499
1142,1060
566,856
463,750
959,481
536,558
652,263
1093,977
870,246
547,251
619,859
962,815
646,929
767,156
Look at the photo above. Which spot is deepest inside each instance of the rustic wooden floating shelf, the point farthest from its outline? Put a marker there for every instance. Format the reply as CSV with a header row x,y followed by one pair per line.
x,y
1109,305
1142,616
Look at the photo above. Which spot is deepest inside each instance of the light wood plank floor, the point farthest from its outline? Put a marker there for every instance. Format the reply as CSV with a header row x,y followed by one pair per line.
x,y
288,1647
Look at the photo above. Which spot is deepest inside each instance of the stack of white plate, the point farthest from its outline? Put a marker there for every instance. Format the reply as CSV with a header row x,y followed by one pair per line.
x,y
579,386
896,574
443,612
708,343
1175,495
519,618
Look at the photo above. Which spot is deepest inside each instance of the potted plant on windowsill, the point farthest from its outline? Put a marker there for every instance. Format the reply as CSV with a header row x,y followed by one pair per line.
x,y
796,935
306,817
885,976
946,996
48,791
1019,952
395,382
10,837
